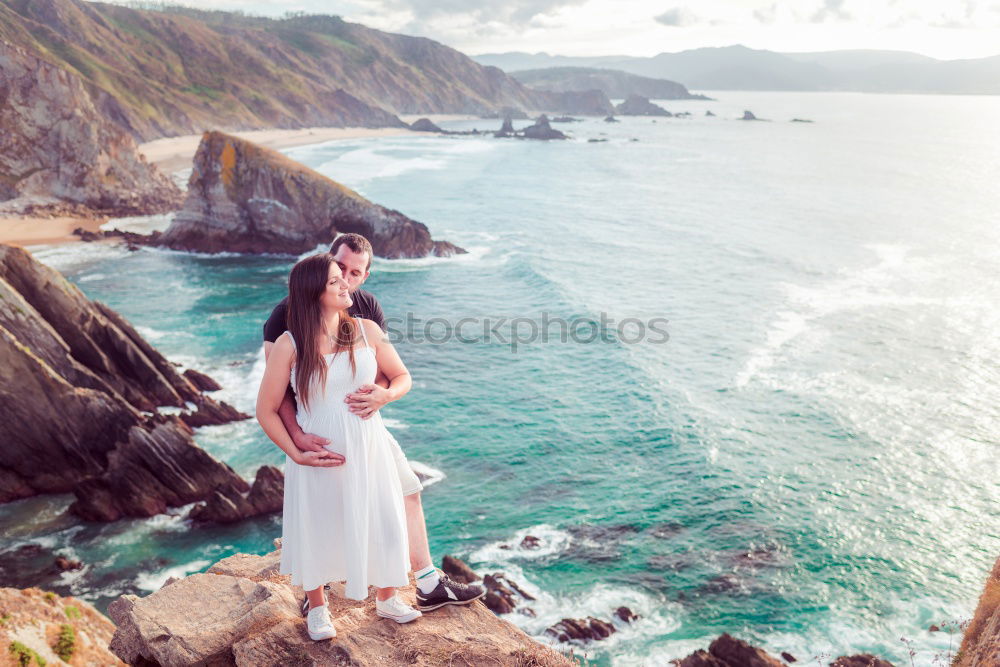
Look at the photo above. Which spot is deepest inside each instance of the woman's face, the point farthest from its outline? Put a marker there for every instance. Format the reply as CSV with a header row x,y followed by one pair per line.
x,y
335,296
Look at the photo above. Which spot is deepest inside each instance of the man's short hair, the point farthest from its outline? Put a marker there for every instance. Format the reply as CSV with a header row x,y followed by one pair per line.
x,y
357,243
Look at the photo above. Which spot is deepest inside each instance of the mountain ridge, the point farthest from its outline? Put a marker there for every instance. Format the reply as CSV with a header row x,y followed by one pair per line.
x,y
179,71
613,83
738,67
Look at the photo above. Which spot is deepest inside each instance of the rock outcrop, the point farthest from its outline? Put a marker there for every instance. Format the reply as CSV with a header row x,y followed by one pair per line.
x,y
58,630
425,125
79,394
636,105
581,630
981,642
59,145
246,198
542,130
728,651
231,503
242,612
506,129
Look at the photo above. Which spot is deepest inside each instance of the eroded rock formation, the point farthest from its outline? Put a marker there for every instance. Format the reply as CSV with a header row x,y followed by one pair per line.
x,y
79,393
246,198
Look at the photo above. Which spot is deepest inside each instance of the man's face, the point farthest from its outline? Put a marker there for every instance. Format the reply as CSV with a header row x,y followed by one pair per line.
x,y
353,265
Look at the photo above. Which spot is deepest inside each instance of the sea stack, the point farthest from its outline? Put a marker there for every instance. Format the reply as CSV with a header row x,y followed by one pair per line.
x,y
542,130
636,105
249,199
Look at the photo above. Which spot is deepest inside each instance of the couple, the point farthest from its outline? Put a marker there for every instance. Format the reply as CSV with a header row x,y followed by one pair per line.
x,y
352,509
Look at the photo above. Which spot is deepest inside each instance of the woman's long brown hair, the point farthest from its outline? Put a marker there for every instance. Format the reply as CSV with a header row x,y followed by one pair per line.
x,y
306,285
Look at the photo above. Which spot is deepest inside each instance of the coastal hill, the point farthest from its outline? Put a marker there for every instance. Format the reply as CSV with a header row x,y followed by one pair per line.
x,y
81,398
740,68
177,70
243,197
613,83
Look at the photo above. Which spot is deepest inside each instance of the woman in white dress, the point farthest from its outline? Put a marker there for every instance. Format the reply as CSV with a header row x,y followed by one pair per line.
x,y
343,516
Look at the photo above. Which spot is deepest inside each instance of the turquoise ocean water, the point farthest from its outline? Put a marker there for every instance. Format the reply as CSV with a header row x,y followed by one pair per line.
x,y
809,460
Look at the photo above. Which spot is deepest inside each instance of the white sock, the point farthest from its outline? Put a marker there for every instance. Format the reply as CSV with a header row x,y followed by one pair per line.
x,y
427,579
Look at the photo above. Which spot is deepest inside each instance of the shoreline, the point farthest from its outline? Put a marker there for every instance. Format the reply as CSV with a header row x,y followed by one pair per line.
x,y
173,154
25,230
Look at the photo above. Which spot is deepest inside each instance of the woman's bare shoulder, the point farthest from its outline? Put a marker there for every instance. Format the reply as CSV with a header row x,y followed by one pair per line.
x,y
284,348
373,331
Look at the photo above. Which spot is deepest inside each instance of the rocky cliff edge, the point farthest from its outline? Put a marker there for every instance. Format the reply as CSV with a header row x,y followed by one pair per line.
x,y
981,643
242,612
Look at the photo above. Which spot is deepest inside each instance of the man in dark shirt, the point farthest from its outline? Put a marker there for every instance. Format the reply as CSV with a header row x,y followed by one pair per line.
x,y
353,253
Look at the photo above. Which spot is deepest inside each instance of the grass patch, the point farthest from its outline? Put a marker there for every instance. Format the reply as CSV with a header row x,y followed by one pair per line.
x,y
24,655
50,596
204,92
66,643
72,612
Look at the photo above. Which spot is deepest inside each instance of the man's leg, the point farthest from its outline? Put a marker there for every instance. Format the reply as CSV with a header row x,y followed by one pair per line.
x,y
434,589
416,528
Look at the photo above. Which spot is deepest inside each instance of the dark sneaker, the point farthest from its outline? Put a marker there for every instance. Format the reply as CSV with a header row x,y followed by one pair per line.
x,y
448,592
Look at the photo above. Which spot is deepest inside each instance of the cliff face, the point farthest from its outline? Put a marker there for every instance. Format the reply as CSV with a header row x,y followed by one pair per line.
x,y
36,622
181,70
981,643
241,612
57,142
246,198
79,390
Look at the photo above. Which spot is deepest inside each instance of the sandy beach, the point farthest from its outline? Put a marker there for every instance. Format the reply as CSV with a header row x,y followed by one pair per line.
x,y
175,154
30,230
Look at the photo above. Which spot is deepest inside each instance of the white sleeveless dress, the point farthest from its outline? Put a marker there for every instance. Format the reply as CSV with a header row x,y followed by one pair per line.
x,y
345,523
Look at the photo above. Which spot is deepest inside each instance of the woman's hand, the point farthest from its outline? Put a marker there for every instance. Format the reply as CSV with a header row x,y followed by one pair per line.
x,y
367,400
324,459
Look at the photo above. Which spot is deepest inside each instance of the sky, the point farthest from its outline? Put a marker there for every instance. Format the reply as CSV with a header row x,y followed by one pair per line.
x,y
945,29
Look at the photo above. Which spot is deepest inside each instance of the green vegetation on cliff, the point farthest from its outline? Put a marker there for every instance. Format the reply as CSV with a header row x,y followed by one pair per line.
x,y
174,70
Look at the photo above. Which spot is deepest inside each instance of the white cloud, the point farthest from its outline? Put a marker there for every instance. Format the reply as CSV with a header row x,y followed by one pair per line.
x,y
940,28
831,9
677,17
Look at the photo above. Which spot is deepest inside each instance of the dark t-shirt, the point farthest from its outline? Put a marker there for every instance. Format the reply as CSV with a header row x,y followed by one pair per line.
x,y
365,305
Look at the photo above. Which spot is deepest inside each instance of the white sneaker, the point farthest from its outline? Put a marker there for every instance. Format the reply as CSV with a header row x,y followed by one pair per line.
x,y
396,609
319,625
